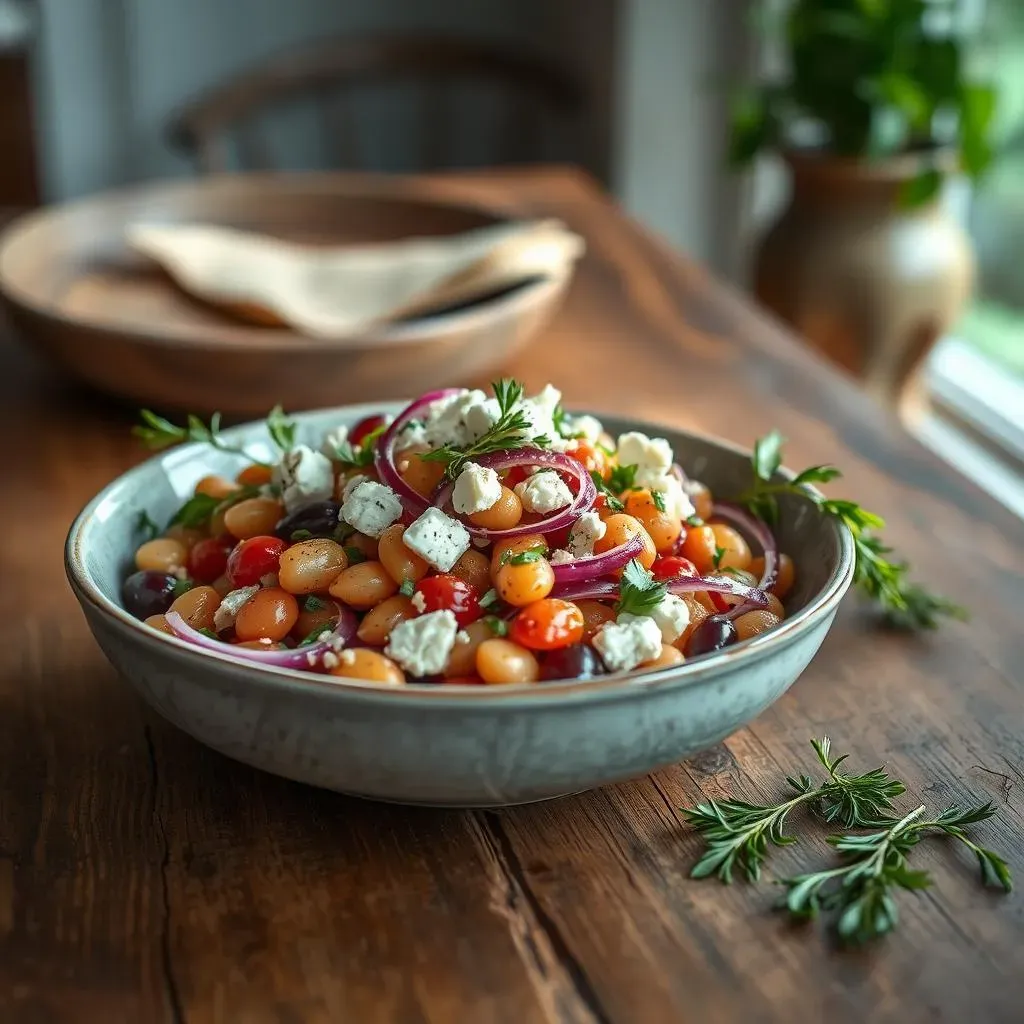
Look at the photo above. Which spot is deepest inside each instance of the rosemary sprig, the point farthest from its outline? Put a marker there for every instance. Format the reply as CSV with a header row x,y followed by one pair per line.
x,y
905,605
738,834
512,429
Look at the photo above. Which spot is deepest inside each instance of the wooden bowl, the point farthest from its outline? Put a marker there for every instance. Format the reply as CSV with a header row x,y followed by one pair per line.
x,y
81,296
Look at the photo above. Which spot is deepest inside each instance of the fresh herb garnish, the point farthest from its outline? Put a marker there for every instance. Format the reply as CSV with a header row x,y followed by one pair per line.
x,y
534,554
512,429
694,520
490,598
361,455
313,603
182,587
659,501
355,555
558,418
611,499
905,604
639,592
209,633
145,525
195,512
499,627
716,558
323,630
298,535
157,433
281,429
622,478
861,890
408,588
343,531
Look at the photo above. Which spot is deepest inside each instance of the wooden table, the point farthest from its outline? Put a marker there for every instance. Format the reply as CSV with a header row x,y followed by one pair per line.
x,y
145,878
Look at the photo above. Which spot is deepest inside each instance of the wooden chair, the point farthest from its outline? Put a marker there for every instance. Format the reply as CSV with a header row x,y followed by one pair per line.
x,y
534,94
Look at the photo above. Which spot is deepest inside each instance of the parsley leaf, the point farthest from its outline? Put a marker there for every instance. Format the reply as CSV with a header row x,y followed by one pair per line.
x,y
408,588
534,554
196,511
298,535
182,587
622,478
281,429
694,520
145,525
355,555
716,560
361,455
659,501
610,498
639,592
314,603
499,627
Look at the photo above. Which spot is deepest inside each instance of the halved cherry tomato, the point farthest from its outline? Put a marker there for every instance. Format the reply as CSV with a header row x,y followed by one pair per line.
x,y
208,558
516,475
253,559
449,592
547,625
592,457
364,428
669,566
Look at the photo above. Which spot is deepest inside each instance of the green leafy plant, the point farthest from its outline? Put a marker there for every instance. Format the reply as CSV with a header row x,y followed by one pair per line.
x,y
871,79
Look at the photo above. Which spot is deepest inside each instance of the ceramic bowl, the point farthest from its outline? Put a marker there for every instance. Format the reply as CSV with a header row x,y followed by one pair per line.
x,y
79,295
448,745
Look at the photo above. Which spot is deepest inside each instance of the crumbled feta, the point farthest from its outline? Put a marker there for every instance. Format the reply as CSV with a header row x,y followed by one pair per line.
x,y
560,557
677,501
418,601
304,476
371,508
347,657
459,419
540,411
672,615
333,441
651,455
422,645
476,490
627,643
352,484
412,433
587,428
230,605
331,660
437,539
585,533
544,492
462,637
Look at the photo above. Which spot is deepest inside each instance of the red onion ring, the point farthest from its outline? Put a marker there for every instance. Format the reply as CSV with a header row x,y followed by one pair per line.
x,y
581,570
384,452
583,500
601,590
592,590
759,530
298,657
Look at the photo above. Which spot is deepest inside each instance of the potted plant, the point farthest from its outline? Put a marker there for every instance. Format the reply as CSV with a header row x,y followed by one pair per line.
x,y
876,108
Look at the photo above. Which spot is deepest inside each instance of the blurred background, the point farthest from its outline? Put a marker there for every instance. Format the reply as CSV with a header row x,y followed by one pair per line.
x,y
679,108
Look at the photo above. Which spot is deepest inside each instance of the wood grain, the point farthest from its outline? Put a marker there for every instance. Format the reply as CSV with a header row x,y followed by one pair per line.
x,y
145,878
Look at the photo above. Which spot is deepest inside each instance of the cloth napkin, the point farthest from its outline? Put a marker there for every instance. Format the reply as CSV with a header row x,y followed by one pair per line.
x,y
345,291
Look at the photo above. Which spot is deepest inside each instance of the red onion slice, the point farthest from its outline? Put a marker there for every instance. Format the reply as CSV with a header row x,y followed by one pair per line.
x,y
582,570
593,590
759,530
298,657
584,499
384,453
603,590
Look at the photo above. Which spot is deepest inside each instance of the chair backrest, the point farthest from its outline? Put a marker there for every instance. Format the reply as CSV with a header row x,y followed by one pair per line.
x,y
231,117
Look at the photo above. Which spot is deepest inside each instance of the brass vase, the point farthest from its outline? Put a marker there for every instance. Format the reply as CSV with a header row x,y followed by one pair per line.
x,y
865,280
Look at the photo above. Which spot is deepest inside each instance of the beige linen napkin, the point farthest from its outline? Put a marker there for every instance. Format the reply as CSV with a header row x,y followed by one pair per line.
x,y
346,290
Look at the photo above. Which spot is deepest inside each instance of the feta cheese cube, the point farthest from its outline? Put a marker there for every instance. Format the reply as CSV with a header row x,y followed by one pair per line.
x,y
672,615
585,533
230,605
422,645
544,492
625,644
476,490
651,455
560,557
304,476
351,484
371,508
438,539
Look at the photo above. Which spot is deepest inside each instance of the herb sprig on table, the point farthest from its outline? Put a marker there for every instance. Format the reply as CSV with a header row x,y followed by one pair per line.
x,y
860,891
905,605
157,433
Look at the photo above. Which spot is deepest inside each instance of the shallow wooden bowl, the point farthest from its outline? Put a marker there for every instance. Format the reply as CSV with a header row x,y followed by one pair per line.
x,y
81,296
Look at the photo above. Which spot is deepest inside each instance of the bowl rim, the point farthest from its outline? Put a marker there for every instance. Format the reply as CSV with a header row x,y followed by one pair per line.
x,y
611,685
231,335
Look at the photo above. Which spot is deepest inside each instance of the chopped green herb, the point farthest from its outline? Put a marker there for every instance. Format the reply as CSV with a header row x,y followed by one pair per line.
x,y
694,520
182,587
209,632
499,627
716,559
639,592
534,554
659,501
490,598
145,525
622,478
321,631
298,535
610,497
355,555
195,512
343,531
558,418
359,456
408,588
281,429
314,603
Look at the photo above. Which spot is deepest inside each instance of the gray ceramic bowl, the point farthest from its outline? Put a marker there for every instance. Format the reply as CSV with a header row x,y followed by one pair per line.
x,y
451,745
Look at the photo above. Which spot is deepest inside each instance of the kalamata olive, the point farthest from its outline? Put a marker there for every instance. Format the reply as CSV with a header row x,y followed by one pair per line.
x,y
714,633
147,593
577,661
317,520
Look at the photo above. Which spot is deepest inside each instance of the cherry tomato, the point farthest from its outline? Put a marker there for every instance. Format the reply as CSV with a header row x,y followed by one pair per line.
x,y
209,558
449,592
669,566
547,625
516,475
590,455
253,559
364,428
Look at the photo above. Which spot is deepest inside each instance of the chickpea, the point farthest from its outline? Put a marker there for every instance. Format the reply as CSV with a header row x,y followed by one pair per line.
x,y
754,623
197,606
595,615
382,618
502,661
785,574
161,555
698,613
502,515
311,565
701,499
736,549
316,614
664,529
216,487
420,475
159,623
254,476
269,614
699,548
521,585
363,585
402,563
366,546
775,606
372,666
253,517
669,656
462,660
474,568
620,528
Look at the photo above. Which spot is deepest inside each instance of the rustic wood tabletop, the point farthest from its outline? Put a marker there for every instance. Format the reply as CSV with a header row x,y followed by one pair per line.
x,y
146,878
